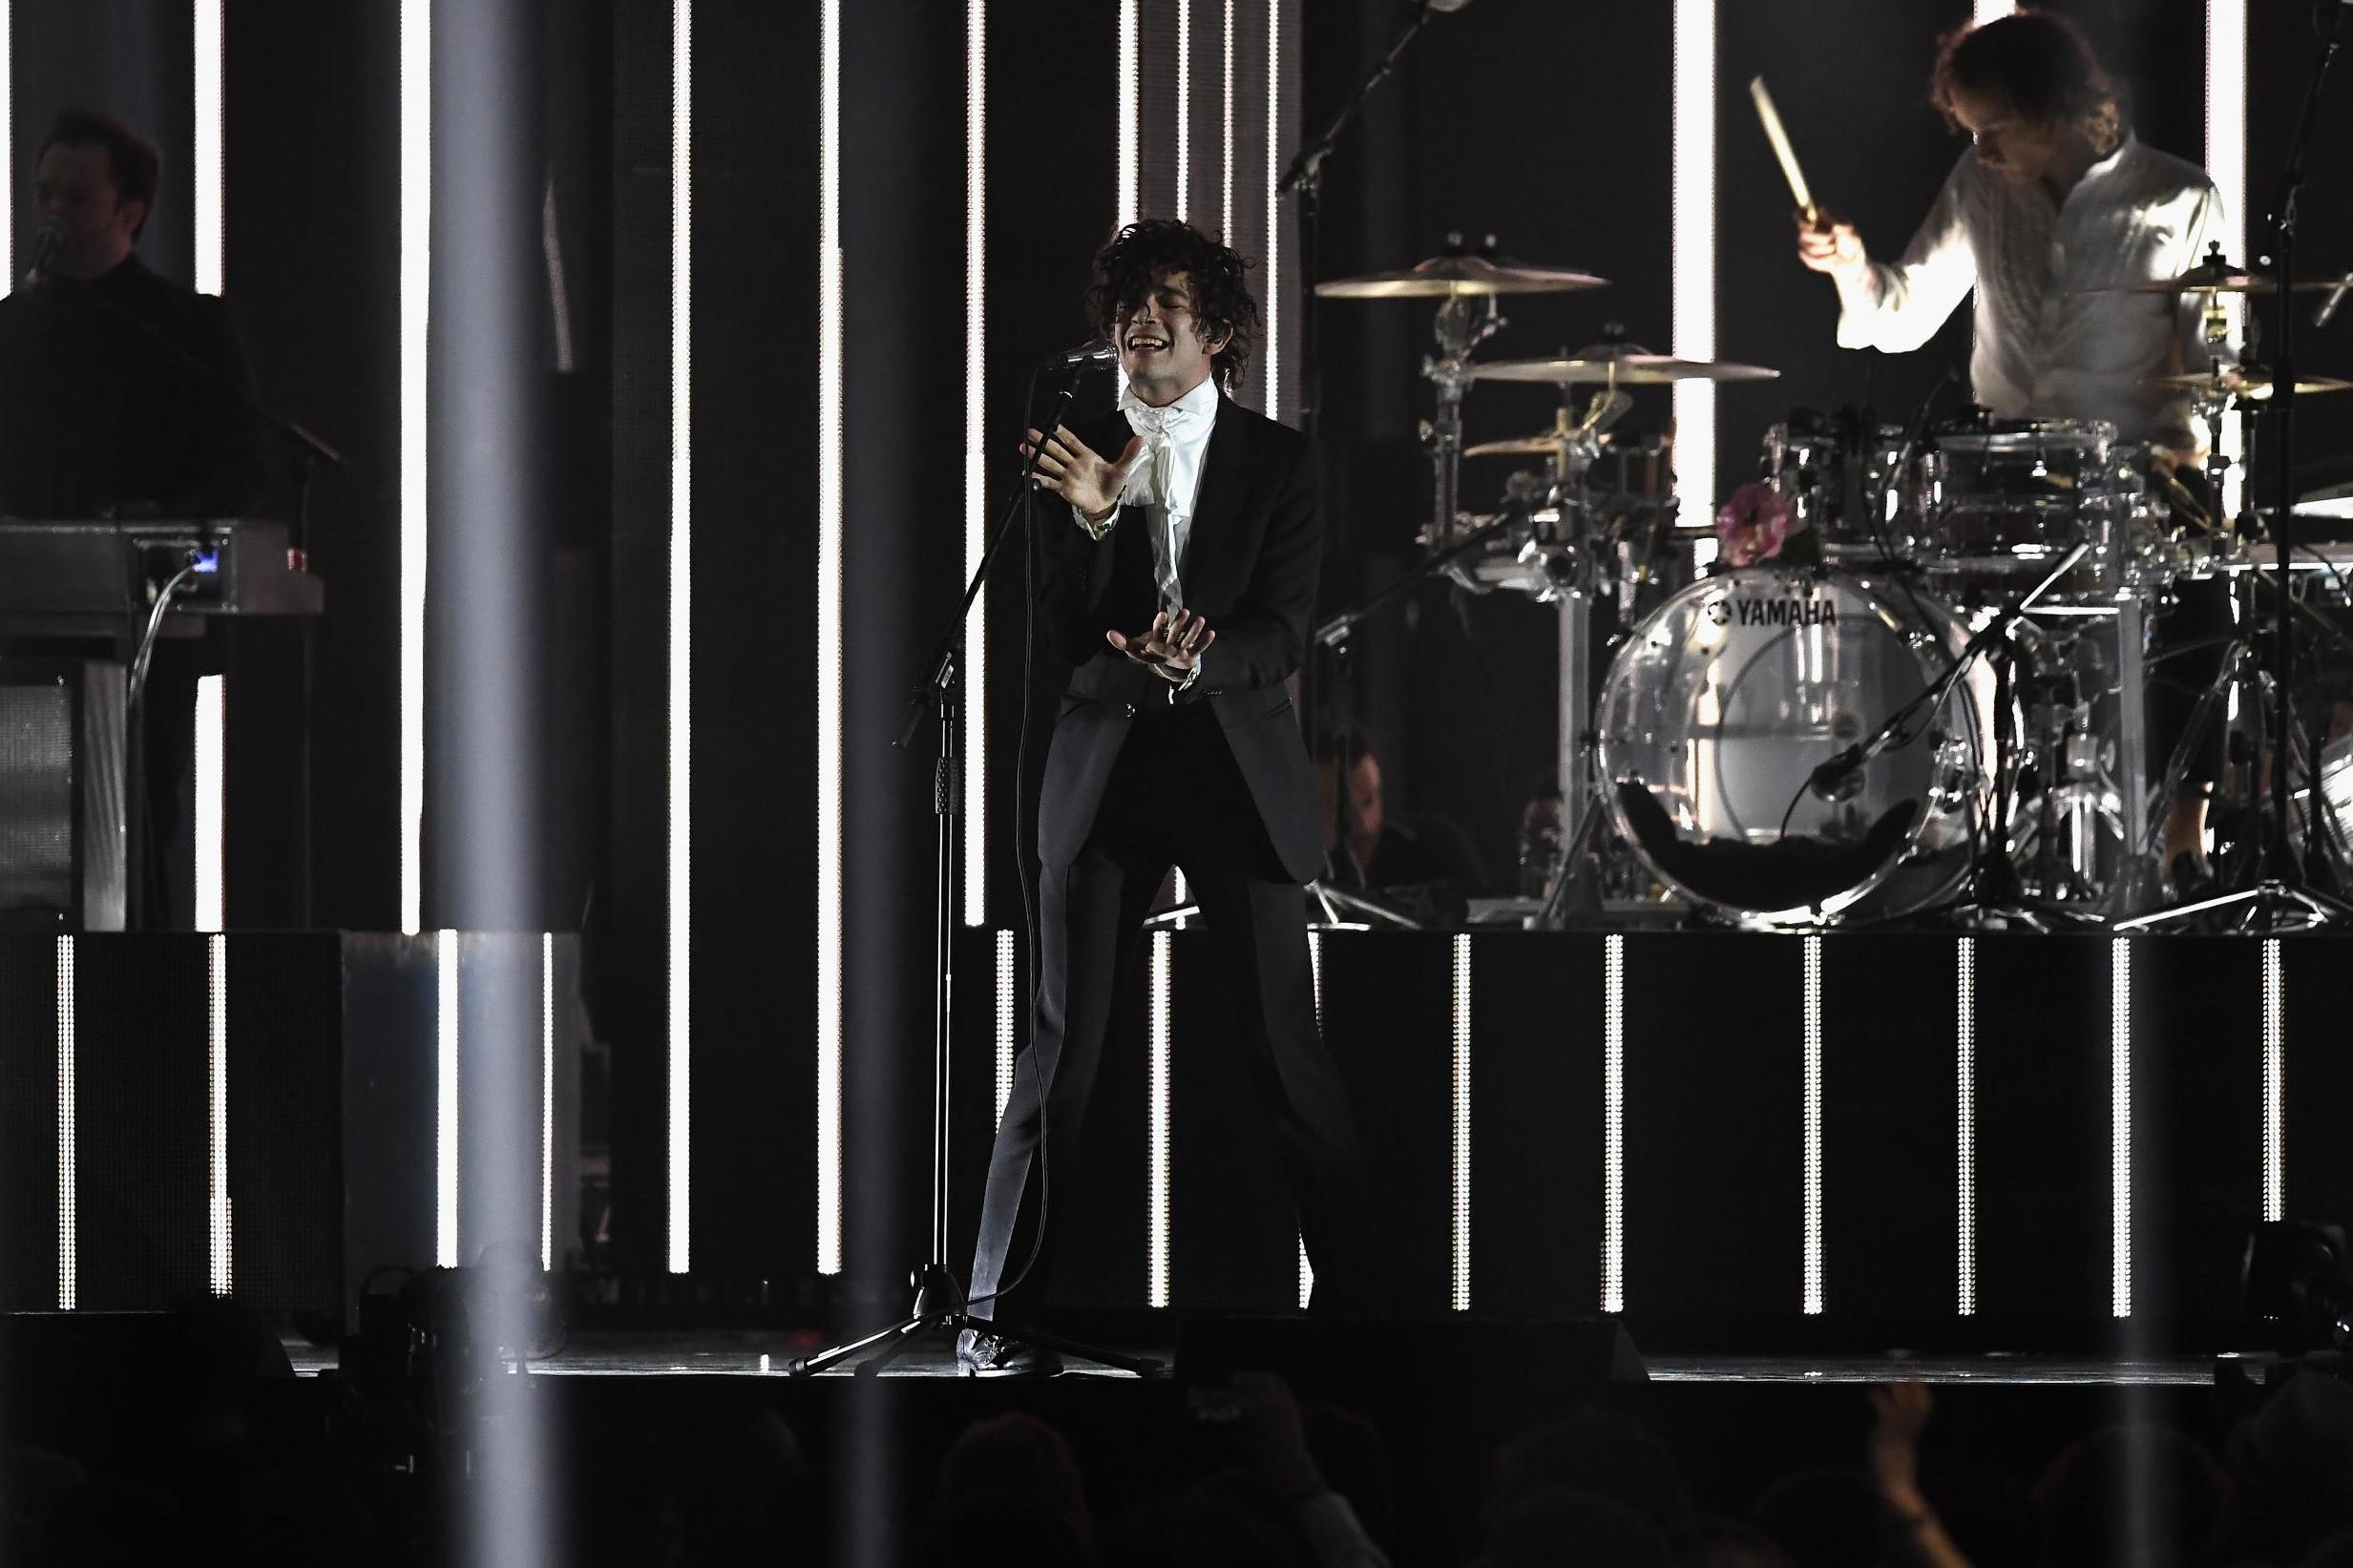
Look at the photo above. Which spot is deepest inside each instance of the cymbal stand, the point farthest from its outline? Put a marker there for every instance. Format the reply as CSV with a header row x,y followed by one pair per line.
x,y
1573,896
1461,326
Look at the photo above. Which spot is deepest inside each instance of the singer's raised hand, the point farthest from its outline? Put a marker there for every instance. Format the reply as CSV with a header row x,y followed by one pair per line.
x,y
1078,474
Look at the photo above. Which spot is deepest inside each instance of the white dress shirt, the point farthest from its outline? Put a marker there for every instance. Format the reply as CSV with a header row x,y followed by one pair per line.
x,y
1164,486
2046,349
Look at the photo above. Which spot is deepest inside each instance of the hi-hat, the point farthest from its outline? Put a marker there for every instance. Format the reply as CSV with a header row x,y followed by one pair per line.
x,y
1618,365
2251,381
1459,276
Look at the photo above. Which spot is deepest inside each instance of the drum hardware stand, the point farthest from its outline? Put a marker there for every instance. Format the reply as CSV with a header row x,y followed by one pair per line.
x,y
2138,886
1461,326
939,1301
2282,900
1991,889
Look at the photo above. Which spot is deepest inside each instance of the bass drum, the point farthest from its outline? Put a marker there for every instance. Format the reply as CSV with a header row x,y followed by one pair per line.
x,y
1722,706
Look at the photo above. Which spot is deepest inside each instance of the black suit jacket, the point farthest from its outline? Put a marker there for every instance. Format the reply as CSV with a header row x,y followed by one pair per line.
x,y
1250,569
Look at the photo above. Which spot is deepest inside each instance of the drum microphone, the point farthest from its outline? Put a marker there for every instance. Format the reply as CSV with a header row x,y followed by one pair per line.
x,y
1094,352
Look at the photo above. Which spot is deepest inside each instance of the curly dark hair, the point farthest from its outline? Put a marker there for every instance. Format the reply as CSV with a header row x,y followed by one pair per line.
x,y
2036,63
1143,252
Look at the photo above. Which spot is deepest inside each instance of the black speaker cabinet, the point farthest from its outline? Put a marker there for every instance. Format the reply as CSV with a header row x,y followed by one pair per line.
x,y
61,795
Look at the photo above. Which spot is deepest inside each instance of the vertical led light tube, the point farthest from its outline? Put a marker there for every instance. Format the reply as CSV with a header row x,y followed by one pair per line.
x,y
1613,1122
1008,998
1315,970
1460,1296
1184,110
2275,1083
219,1249
1129,202
679,969
207,163
8,151
68,1244
2120,1126
1692,230
2226,163
1224,109
1811,1302
444,1098
1156,1219
210,830
547,1100
1964,1044
830,580
1273,258
976,802
417,230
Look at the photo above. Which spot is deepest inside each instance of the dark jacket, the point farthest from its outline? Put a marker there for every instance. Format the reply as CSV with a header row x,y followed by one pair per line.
x,y
1250,569
122,395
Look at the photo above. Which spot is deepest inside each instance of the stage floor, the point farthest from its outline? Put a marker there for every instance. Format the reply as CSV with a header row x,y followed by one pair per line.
x,y
734,1354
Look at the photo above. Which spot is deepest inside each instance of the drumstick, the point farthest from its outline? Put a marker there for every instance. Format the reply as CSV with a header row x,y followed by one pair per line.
x,y
1771,119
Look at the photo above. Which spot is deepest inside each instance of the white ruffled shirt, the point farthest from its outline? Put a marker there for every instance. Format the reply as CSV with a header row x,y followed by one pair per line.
x,y
1164,486
2046,348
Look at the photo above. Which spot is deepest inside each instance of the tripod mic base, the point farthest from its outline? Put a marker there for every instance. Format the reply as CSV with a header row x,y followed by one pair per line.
x,y
939,1308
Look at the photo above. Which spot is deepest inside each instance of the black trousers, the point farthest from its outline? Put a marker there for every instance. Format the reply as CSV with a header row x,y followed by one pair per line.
x,y
2188,643
1175,797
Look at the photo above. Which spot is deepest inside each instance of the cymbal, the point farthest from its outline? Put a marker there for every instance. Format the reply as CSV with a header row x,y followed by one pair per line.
x,y
2211,279
1525,446
1623,364
1459,276
2253,384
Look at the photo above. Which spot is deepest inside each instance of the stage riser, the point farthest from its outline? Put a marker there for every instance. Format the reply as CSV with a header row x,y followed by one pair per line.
x,y
330,1136
1720,1228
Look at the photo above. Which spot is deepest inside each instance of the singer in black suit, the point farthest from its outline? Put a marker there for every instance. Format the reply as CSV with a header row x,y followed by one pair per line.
x,y
1178,538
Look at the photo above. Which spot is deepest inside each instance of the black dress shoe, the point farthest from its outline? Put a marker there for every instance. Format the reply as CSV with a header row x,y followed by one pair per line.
x,y
980,1354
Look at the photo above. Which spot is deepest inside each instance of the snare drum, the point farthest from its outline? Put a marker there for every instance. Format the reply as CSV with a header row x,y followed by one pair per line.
x,y
2001,501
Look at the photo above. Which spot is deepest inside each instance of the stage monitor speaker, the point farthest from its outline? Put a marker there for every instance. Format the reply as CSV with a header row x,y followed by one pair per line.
x,y
62,841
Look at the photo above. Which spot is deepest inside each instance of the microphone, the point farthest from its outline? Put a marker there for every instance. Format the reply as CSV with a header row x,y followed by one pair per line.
x,y
1829,779
1094,352
2336,298
48,241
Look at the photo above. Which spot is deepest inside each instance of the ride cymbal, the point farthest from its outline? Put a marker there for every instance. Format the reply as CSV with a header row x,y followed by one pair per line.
x,y
1459,276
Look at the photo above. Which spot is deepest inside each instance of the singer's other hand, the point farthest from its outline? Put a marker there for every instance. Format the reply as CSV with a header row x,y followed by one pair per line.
x,y
1176,639
1828,245
1078,474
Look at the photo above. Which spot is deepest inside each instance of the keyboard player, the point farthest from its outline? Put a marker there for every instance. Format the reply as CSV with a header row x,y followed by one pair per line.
x,y
123,396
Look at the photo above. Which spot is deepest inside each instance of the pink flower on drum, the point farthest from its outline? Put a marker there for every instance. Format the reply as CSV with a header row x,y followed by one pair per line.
x,y
1753,524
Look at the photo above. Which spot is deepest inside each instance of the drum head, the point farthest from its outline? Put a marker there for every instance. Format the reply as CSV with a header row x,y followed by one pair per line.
x,y
1721,707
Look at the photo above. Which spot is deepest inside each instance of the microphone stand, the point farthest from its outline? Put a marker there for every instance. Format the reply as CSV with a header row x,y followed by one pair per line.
x,y
939,1301
1992,884
1304,178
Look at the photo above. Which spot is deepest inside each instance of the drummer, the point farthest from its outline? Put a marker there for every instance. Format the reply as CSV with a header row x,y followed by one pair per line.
x,y
2058,199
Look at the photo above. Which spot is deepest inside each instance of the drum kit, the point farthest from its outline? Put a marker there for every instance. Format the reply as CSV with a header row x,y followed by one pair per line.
x,y
1920,696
